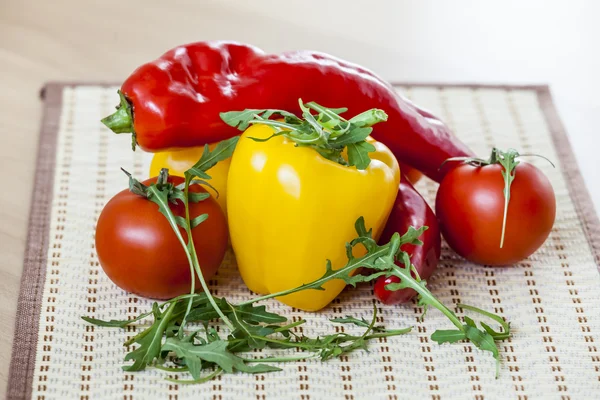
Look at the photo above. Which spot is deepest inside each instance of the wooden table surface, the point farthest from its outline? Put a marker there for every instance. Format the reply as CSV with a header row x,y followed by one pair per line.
x,y
554,42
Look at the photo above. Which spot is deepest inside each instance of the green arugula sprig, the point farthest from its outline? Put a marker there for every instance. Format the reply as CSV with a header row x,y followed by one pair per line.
x,y
508,161
326,131
173,341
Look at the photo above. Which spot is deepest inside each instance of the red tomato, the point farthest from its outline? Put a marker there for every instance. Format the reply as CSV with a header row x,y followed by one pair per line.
x,y
140,253
470,208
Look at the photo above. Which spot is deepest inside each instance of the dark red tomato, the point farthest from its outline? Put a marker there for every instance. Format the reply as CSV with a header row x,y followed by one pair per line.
x,y
410,209
470,208
140,253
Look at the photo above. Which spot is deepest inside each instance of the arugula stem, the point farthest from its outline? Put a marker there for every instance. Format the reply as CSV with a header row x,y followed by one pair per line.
x,y
165,317
191,250
171,369
409,281
278,359
395,332
117,323
352,265
306,346
371,325
289,326
203,379
149,329
138,336
369,118
345,338
171,218
192,273
505,326
182,297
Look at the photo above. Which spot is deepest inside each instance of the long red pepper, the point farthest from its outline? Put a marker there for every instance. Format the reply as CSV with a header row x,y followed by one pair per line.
x,y
410,209
175,101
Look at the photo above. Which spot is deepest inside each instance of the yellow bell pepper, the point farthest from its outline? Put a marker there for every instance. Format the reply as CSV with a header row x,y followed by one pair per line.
x,y
179,161
290,209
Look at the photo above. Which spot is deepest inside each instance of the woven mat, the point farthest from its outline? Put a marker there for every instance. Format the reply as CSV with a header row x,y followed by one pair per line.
x,y
551,299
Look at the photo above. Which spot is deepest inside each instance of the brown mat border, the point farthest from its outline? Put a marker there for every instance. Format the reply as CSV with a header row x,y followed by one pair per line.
x,y
22,364
20,381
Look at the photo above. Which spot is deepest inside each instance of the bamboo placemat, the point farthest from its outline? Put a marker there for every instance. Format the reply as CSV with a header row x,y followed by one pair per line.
x,y
551,299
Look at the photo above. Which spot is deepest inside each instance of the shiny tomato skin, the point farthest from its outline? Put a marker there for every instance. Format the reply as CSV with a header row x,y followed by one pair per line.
x,y
140,253
470,207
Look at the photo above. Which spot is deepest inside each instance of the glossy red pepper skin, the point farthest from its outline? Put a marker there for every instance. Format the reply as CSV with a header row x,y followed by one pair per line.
x,y
176,99
410,209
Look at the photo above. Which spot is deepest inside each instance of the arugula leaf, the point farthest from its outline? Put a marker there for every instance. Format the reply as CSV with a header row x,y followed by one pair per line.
x,y
496,335
115,323
214,352
150,344
198,220
198,197
204,313
252,333
482,340
257,368
222,151
358,322
211,334
358,154
240,119
255,314
356,135
448,336
328,117
351,320
247,312
243,119
327,132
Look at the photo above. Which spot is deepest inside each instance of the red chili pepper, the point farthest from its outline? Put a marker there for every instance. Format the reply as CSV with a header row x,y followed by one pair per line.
x,y
410,209
175,101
